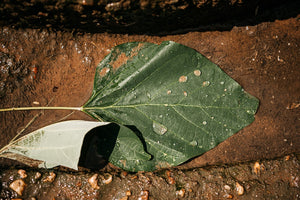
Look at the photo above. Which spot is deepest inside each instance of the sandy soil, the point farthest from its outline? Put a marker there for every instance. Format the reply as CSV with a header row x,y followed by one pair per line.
x,y
57,69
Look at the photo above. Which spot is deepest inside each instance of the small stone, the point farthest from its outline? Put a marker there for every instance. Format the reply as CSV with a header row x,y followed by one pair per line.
x,y
124,174
22,173
37,175
256,168
239,188
180,193
18,186
128,193
144,195
107,178
93,181
50,178
171,180
286,158
227,187
228,196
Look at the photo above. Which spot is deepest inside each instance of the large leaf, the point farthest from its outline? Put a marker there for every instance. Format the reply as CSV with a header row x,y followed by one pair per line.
x,y
181,103
60,144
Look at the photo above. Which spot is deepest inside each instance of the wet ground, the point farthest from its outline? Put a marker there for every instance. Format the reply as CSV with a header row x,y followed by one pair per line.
x,y
45,68
267,179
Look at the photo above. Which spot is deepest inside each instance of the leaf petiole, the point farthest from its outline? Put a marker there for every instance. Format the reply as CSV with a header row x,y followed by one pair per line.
x,y
40,108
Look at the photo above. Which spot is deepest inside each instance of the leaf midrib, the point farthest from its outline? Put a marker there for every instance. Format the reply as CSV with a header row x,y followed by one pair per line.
x,y
164,105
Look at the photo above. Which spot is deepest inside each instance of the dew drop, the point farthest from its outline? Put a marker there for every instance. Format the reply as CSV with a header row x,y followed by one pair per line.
x,y
137,162
159,128
205,83
182,79
148,95
193,143
204,122
117,144
197,72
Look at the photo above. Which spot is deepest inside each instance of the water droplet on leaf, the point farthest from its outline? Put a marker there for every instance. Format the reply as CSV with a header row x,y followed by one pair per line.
x,y
182,79
159,128
148,95
197,72
206,83
193,143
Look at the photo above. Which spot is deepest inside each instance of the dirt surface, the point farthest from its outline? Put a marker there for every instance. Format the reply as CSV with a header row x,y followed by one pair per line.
x,y
41,67
268,179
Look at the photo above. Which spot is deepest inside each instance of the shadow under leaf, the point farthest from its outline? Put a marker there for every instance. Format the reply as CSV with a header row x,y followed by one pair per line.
x,y
98,145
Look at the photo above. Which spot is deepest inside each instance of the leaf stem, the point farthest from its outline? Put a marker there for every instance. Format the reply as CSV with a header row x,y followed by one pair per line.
x,y
40,108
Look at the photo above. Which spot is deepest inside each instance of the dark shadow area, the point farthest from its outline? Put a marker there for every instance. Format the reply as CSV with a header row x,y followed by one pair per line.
x,y
143,17
98,145
140,136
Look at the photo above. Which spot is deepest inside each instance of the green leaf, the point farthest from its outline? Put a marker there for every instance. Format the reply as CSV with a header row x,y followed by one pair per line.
x,y
181,103
60,144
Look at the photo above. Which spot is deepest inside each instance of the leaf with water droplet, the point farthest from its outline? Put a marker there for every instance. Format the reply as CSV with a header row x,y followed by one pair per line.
x,y
175,82
159,128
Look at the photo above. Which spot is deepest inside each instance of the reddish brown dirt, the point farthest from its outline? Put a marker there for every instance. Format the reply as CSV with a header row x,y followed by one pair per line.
x,y
263,59
57,69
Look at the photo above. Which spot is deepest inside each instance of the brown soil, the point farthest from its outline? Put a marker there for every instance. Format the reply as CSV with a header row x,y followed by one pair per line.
x,y
268,179
57,69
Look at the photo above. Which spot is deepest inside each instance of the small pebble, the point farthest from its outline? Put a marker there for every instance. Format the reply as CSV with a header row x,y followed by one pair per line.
x,y
50,178
144,195
22,173
171,180
128,193
228,196
124,174
286,158
256,168
227,187
93,181
239,188
107,178
180,192
37,175
18,186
